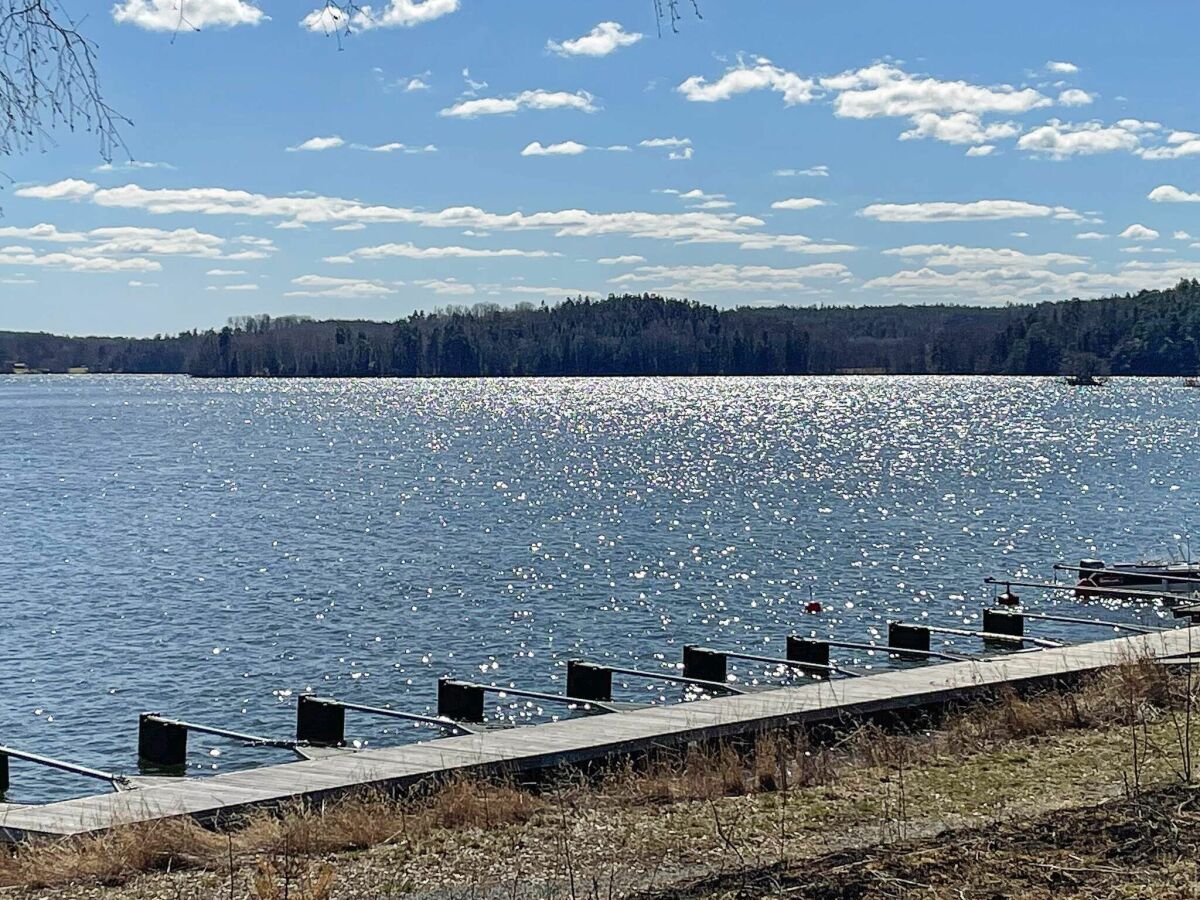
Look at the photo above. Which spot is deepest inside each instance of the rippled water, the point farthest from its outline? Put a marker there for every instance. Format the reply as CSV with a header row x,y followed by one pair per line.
x,y
210,549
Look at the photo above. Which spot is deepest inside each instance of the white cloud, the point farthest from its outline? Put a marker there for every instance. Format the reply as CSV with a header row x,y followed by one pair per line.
x,y
692,226
451,286
1090,236
958,128
666,142
1075,97
975,210
742,78
74,262
565,148
411,251
626,260
981,150
318,143
395,147
42,232
1179,144
1139,232
249,286
142,284
728,277
397,14
67,189
224,273
698,199
812,172
1181,236
798,203
886,90
940,256
327,286
130,165
536,99
600,41
167,15
1164,193
1062,68
415,84
1061,139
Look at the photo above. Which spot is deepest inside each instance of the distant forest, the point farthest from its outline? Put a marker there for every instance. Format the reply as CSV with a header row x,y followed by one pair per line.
x,y
1151,333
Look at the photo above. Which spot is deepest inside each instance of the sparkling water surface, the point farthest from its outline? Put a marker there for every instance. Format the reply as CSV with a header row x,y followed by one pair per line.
x,y
211,549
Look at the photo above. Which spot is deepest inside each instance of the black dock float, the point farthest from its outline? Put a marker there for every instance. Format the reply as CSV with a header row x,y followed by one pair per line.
x,y
162,742
1002,621
808,650
321,721
460,700
589,681
903,637
703,664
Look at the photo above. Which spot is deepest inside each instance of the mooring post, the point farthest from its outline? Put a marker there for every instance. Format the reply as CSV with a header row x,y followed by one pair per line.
x,y
460,700
807,650
704,664
161,743
320,722
908,637
588,681
1001,621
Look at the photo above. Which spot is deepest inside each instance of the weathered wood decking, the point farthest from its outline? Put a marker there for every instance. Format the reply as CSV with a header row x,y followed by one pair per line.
x,y
580,739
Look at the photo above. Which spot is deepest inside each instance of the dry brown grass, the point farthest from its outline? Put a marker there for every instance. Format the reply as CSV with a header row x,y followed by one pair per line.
x,y
284,852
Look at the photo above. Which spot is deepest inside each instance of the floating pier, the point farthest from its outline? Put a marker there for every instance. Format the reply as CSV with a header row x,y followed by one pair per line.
x,y
586,739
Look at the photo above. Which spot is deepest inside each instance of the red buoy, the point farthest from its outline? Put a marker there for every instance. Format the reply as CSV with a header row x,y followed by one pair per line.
x,y
813,606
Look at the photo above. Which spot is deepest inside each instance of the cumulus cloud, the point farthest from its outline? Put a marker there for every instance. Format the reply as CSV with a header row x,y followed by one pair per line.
x,y
565,148
411,251
1167,193
887,90
743,78
18,255
1062,68
42,232
960,257
536,99
975,210
1179,144
451,286
798,203
627,260
1139,232
1060,139
395,147
397,14
811,172
1090,236
328,286
728,277
602,40
692,226
959,128
981,150
168,15
698,199
317,144
673,142
1074,97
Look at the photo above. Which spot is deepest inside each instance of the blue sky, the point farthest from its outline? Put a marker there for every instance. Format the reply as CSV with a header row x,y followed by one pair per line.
x,y
458,152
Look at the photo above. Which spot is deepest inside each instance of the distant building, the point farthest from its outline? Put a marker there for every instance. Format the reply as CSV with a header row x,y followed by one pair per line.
x,y
78,370
19,368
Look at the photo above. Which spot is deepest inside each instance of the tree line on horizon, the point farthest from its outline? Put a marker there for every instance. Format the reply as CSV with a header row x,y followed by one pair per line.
x,y
1149,333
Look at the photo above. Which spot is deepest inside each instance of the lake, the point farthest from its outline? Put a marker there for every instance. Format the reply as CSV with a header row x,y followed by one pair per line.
x,y
211,549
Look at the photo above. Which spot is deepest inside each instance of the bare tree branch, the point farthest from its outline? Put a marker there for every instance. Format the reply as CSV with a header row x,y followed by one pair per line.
x,y
48,80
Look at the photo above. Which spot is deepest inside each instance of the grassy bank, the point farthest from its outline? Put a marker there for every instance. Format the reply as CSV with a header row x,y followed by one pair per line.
x,y
717,821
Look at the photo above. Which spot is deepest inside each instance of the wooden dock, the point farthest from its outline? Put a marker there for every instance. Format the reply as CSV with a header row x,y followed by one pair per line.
x,y
578,740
